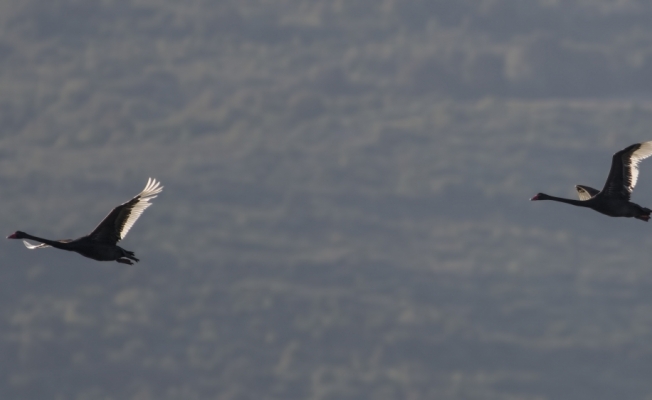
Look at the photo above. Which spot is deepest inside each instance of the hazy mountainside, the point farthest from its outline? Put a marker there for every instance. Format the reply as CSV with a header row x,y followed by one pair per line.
x,y
345,209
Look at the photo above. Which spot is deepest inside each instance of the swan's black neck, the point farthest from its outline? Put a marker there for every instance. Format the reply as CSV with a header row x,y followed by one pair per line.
x,y
54,243
579,203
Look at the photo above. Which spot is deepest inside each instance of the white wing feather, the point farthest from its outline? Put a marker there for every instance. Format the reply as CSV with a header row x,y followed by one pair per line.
x,y
582,194
640,154
35,246
585,192
152,189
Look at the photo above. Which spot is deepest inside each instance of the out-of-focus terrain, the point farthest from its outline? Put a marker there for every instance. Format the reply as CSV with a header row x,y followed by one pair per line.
x,y
345,210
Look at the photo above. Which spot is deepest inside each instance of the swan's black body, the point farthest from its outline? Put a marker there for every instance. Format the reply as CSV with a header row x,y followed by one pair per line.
x,y
613,199
101,244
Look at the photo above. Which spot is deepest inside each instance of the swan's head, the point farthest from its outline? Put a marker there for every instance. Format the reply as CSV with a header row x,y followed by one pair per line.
x,y
16,235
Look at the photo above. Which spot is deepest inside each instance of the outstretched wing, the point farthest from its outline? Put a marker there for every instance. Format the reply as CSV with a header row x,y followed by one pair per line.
x,y
624,170
42,245
117,224
585,192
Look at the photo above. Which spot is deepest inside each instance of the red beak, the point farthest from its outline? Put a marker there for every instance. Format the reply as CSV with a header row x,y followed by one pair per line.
x,y
12,236
536,197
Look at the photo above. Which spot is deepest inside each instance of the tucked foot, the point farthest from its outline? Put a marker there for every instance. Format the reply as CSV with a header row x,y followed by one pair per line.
x,y
643,217
124,261
130,255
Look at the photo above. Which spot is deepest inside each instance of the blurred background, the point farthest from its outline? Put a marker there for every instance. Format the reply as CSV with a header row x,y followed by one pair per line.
x,y
345,213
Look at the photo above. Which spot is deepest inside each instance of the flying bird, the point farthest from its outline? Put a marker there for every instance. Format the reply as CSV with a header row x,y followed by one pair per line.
x,y
101,244
613,199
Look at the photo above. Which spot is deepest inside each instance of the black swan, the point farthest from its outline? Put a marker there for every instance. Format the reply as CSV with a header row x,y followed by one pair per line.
x,y
101,244
613,200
